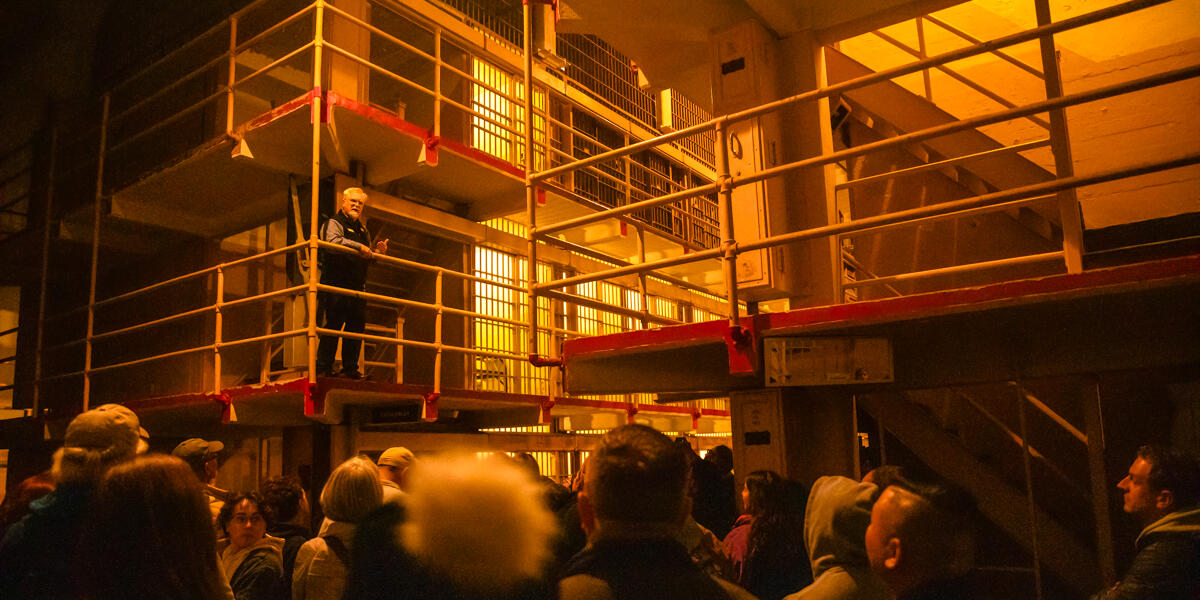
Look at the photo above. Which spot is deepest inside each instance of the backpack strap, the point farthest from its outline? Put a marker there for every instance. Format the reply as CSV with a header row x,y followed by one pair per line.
x,y
339,549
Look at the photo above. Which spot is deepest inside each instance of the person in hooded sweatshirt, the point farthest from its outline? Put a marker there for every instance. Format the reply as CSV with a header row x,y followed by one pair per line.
x,y
836,519
1162,491
251,560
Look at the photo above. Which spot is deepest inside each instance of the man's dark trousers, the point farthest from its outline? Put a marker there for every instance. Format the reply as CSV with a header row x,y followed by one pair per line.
x,y
341,312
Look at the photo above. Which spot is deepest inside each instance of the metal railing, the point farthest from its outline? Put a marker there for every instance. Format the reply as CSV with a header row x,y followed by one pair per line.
x,y
730,248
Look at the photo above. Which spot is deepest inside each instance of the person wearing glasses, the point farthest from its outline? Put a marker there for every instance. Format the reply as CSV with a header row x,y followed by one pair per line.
x,y
251,560
345,270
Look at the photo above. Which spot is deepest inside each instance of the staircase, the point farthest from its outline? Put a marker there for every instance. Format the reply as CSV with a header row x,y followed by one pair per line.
x,y
902,111
958,435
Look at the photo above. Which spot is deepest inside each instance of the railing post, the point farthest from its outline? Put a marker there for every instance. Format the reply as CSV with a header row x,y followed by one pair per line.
x,y
314,212
218,323
437,334
725,210
91,318
1033,524
1098,471
1060,145
233,21
399,349
41,318
641,248
437,82
530,195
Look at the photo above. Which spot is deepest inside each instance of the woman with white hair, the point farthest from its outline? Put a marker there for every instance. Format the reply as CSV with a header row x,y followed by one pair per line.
x,y
352,491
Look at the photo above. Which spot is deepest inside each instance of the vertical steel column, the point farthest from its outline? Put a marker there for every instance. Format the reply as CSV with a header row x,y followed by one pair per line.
x,y
1098,471
530,195
1060,145
315,196
233,21
218,322
725,207
41,318
1033,524
91,318
399,349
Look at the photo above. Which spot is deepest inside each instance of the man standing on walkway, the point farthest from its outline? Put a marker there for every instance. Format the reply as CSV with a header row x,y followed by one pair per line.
x,y
345,270
1162,491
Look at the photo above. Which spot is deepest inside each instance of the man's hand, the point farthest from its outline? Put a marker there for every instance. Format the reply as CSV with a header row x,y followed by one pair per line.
x,y
381,246
364,251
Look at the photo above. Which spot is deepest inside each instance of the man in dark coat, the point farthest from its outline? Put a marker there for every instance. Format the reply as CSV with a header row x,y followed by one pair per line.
x,y
1162,490
345,270
633,505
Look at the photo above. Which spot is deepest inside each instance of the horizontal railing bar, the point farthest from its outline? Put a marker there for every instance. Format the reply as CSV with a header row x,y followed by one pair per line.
x,y
623,210
178,82
945,163
474,113
590,253
168,56
264,338
9,331
385,35
274,28
1068,100
147,359
61,376
8,359
265,254
417,344
175,317
887,219
272,65
264,296
63,345
970,38
857,266
371,65
977,266
167,121
422,266
960,213
858,82
609,308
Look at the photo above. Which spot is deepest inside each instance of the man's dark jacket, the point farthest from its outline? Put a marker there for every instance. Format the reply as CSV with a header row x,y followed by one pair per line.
x,y
38,554
1167,565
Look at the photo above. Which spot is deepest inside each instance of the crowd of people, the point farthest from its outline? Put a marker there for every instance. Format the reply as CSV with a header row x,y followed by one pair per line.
x,y
645,518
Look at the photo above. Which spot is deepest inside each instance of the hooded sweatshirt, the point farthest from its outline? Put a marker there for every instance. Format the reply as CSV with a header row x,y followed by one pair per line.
x,y
835,523
255,572
1167,565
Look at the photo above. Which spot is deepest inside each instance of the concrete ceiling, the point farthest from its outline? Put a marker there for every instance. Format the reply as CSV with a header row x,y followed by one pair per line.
x,y
669,39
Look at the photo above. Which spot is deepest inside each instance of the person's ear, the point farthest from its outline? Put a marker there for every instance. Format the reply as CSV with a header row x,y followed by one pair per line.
x,y
892,553
1165,500
587,513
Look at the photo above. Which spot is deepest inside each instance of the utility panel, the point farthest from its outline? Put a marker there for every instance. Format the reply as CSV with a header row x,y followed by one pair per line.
x,y
744,70
812,361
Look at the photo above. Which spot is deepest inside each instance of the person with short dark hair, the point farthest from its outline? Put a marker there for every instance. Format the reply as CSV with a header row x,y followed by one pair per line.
x,y
287,518
251,560
149,536
37,553
921,541
1162,491
633,503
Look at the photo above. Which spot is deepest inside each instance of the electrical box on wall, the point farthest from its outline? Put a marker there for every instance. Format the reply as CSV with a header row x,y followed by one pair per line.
x,y
744,75
811,361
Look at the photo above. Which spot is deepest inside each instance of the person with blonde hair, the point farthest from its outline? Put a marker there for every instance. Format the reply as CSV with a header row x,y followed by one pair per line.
x,y
469,529
352,491
149,535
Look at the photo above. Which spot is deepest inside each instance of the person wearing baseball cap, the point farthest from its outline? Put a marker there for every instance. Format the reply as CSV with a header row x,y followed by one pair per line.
x,y
36,553
393,465
201,455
